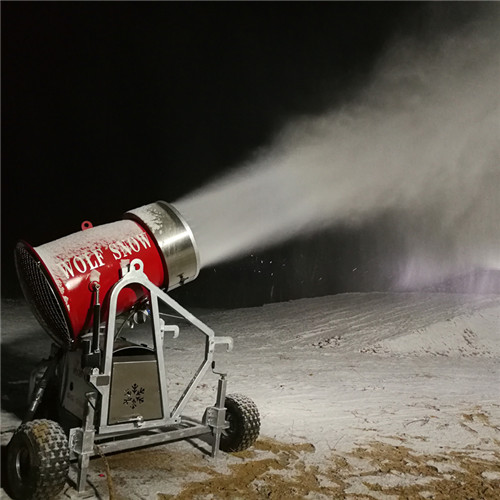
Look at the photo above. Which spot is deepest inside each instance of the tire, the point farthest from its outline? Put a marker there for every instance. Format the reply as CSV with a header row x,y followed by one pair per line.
x,y
37,460
244,423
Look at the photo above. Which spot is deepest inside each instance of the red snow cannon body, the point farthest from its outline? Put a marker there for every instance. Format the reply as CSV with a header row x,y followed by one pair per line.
x,y
59,278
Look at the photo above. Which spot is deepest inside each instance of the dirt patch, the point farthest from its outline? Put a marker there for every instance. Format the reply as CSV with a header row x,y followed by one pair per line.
x,y
449,475
480,417
270,470
277,470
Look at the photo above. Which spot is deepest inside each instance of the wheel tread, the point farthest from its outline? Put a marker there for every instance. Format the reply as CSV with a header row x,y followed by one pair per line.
x,y
51,458
250,420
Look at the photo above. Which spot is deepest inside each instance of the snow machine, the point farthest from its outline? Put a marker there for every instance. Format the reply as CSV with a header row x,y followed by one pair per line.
x,y
99,392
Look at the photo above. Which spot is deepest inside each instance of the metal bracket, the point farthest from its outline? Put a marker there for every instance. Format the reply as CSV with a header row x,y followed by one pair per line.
x,y
169,328
228,341
137,421
215,417
81,442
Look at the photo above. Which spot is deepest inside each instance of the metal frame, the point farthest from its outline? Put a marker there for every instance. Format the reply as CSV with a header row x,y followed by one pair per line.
x,y
172,426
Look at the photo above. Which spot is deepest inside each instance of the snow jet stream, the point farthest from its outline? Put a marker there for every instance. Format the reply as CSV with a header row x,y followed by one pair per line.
x,y
421,141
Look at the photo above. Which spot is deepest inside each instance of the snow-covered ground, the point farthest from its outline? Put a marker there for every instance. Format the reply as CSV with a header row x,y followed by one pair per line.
x,y
366,395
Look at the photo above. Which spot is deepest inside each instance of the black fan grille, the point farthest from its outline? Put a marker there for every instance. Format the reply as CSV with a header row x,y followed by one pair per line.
x,y
40,295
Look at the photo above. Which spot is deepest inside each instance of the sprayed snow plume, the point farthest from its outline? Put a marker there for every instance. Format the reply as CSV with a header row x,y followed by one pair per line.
x,y
421,141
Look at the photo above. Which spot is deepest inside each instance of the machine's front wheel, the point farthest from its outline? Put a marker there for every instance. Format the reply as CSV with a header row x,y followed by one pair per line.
x,y
243,418
37,460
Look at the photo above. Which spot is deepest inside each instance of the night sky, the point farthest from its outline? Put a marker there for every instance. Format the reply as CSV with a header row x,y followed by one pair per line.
x,y
109,106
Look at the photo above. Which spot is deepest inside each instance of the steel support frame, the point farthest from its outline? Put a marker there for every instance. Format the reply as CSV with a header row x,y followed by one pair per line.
x,y
172,426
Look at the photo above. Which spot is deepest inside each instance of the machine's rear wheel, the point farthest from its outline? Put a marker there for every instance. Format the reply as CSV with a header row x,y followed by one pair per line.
x,y
37,460
243,418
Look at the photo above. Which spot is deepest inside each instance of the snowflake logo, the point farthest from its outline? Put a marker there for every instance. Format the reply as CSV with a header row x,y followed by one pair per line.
x,y
134,396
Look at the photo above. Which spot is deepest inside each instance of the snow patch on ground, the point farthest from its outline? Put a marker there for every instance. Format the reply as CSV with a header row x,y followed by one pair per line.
x,y
475,334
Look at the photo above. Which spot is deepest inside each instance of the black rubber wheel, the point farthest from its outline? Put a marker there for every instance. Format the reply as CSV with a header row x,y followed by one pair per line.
x,y
243,418
37,460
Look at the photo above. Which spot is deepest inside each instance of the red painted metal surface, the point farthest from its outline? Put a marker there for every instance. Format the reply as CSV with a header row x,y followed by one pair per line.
x,y
99,253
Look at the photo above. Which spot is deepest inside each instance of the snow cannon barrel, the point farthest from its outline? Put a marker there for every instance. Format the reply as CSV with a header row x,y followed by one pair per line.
x,y
59,278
